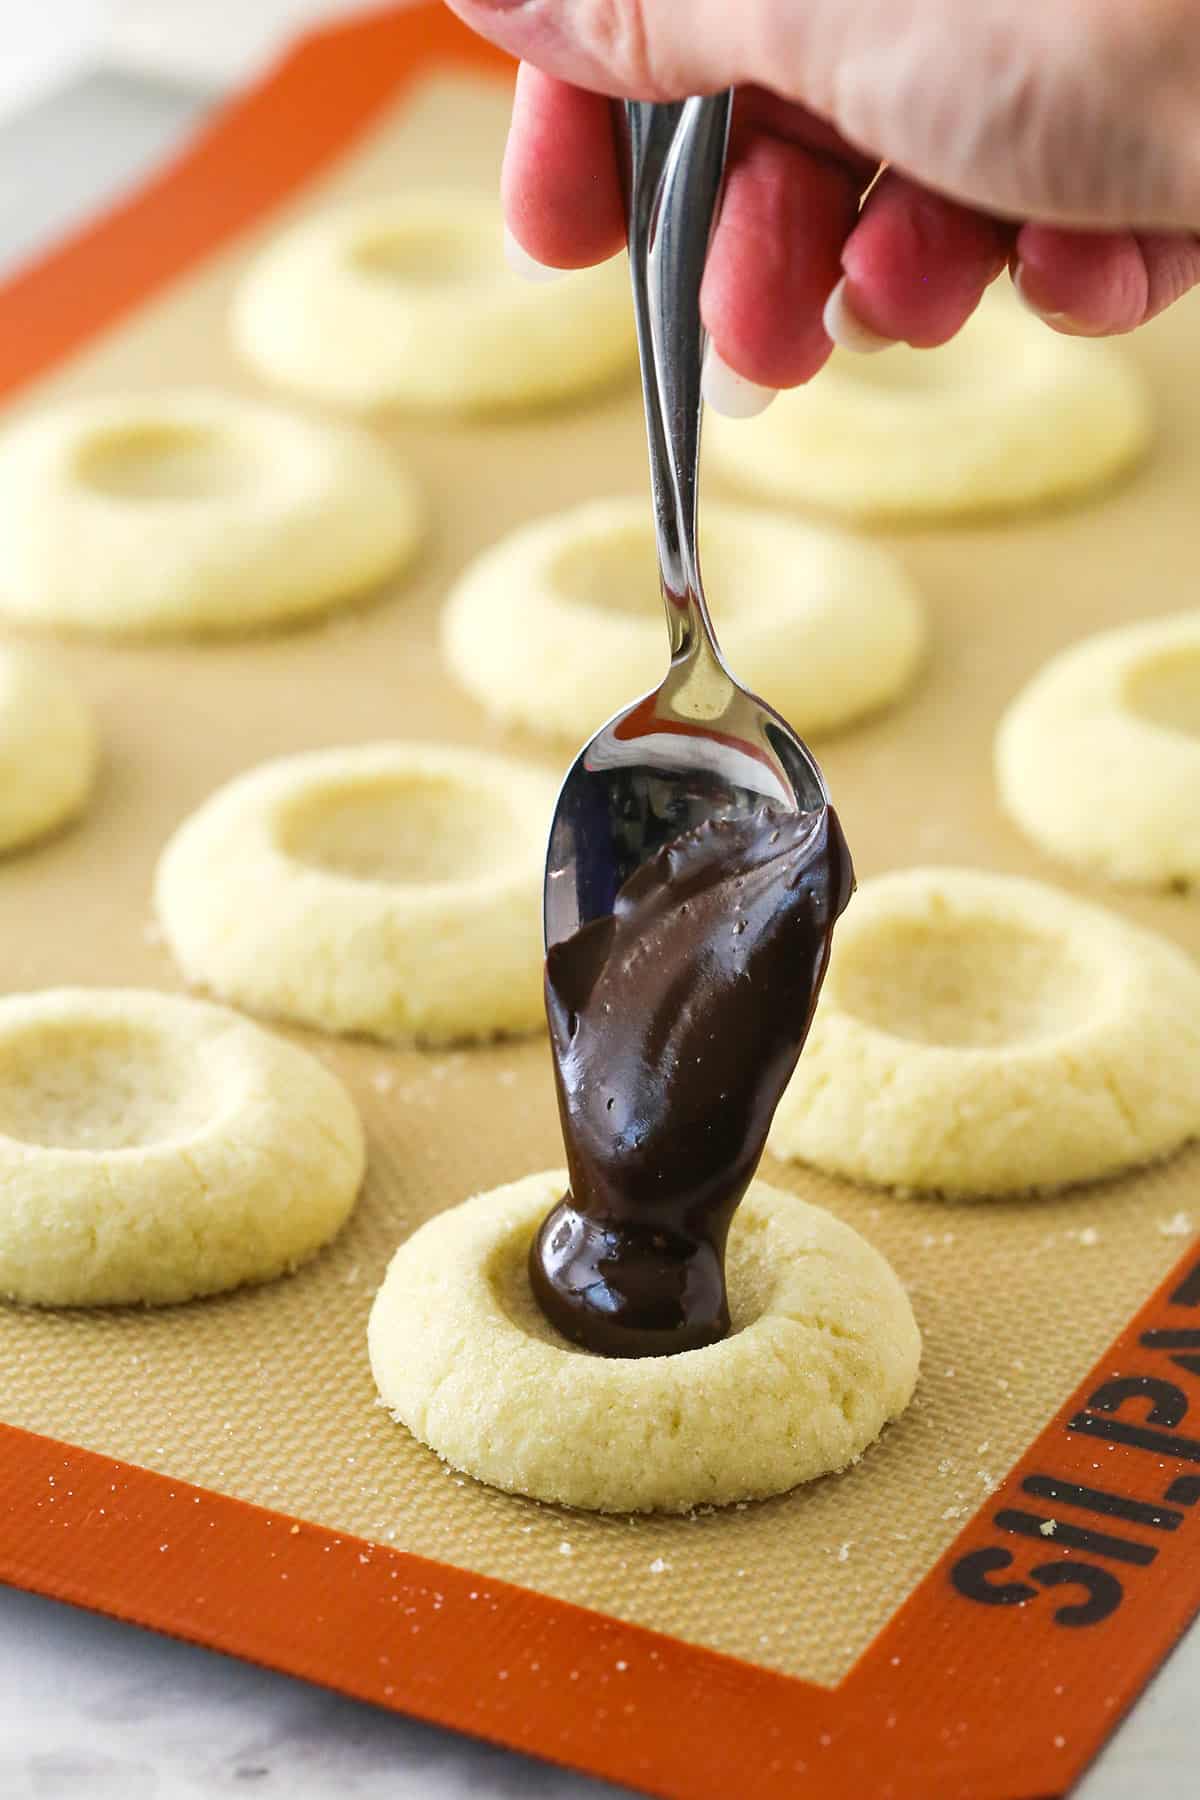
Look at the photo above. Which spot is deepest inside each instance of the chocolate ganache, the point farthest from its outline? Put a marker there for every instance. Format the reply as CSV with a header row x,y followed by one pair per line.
x,y
676,1022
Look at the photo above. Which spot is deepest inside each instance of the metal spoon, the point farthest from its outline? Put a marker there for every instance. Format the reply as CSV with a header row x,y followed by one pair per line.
x,y
699,746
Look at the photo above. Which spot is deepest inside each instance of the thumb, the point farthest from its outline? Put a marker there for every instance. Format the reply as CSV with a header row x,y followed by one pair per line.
x,y
630,49
1081,113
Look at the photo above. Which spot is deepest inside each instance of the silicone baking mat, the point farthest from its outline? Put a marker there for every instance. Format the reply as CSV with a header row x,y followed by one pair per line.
x,y
222,1470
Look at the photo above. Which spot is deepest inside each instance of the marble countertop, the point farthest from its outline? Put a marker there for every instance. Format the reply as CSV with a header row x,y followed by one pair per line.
x,y
94,1710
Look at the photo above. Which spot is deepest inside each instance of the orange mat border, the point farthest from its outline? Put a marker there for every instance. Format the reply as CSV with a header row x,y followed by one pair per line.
x,y
999,1677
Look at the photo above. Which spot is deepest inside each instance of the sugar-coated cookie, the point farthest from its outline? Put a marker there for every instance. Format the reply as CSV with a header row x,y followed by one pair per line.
x,y
192,512
1098,759
390,889
1009,414
980,1035
559,625
47,748
407,301
154,1148
823,1352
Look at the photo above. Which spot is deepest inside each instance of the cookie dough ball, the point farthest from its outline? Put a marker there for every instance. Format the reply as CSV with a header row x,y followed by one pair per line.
x,y
823,1352
47,748
192,512
390,889
981,1035
1006,415
153,1149
407,301
559,625
1098,760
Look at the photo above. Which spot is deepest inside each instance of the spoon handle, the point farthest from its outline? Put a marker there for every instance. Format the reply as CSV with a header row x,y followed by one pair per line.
x,y
674,161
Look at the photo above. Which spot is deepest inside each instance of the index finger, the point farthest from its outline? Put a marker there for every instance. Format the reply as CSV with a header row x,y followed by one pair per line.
x,y
561,185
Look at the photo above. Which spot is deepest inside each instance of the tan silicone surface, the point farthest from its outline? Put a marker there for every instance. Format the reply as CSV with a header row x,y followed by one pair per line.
x,y
267,1394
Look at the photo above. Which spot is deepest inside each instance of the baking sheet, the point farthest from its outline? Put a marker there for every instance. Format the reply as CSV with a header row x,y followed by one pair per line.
x,y
266,1395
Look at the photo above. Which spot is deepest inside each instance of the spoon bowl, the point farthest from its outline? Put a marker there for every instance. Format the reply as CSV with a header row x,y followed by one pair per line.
x,y
656,771
700,746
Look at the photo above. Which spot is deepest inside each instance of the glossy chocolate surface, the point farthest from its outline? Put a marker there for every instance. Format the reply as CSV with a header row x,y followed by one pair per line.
x,y
676,1022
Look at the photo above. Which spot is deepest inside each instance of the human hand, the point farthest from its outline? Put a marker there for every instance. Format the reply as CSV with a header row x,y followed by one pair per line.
x,y
1058,137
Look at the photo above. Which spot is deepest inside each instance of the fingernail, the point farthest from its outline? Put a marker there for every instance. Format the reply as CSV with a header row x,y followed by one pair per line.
x,y
1060,321
1030,305
728,392
521,263
846,329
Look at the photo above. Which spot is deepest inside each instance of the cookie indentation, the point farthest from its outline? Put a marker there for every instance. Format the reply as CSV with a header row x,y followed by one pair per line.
x,y
430,256
148,461
102,1086
1165,690
966,983
413,831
